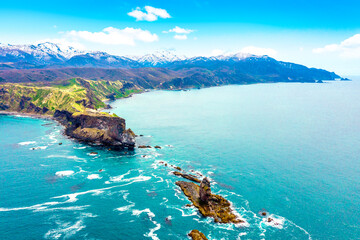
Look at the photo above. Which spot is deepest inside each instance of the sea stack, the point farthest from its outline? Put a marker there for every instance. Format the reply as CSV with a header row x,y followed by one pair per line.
x,y
97,128
205,190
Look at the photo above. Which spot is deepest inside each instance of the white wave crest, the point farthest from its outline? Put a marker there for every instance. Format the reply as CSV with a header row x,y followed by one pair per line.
x,y
94,176
27,143
64,173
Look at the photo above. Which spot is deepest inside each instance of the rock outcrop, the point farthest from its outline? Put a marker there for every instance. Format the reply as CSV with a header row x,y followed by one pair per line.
x,y
97,128
197,235
211,205
205,190
187,176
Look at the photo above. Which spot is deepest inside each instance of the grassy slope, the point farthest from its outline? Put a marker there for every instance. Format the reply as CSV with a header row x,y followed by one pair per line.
x,y
69,95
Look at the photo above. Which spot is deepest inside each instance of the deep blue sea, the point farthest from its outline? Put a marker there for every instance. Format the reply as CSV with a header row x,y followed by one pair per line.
x,y
290,149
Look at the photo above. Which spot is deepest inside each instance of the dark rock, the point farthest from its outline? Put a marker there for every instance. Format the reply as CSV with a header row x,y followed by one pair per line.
x,y
45,110
178,168
143,146
187,176
4,106
205,190
157,147
197,235
60,143
93,153
98,128
111,96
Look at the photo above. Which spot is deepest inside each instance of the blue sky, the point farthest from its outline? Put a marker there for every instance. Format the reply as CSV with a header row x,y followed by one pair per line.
x,y
315,33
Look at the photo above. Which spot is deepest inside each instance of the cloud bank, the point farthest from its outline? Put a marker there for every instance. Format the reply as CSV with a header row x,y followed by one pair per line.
x,y
349,48
115,36
150,14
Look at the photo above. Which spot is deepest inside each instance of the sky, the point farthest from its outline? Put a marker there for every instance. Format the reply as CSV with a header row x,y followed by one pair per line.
x,y
316,33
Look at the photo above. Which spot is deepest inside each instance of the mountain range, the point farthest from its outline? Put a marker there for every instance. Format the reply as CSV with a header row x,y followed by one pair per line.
x,y
163,69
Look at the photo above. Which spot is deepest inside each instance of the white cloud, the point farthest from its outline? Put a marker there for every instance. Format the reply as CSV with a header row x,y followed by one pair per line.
x,y
349,48
150,14
115,36
260,51
180,37
179,30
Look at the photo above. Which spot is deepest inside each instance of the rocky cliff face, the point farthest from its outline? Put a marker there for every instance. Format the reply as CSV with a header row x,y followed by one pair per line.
x,y
97,128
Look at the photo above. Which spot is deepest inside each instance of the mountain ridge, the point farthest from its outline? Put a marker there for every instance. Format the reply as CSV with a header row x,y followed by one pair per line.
x,y
48,62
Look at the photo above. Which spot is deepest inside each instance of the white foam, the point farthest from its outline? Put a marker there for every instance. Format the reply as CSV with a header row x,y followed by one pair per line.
x,y
276,222
65,230
161,179
27,143
151,234
80,147
77,159
64,173
93,176
34,207
134,179
73,208
92,154
125,208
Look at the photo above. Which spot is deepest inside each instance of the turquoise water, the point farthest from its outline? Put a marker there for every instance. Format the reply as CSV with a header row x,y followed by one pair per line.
x,y
290,149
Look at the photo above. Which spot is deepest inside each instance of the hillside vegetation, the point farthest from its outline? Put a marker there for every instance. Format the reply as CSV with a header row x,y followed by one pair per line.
x,y
74,95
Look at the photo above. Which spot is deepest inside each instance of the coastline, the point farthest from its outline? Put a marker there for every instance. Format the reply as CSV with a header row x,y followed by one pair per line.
x,y
32,115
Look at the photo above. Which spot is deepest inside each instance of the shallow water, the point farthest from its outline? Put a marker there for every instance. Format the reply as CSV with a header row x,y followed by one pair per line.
x,y
290,149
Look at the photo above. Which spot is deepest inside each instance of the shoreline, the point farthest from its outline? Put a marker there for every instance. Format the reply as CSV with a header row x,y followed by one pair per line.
x,y
32,115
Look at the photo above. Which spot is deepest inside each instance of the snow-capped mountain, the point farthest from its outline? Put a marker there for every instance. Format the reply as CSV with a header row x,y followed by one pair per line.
x,y
42,53
158,58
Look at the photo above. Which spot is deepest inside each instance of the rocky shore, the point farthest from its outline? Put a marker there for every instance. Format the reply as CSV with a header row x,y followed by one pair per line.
x,y
97,128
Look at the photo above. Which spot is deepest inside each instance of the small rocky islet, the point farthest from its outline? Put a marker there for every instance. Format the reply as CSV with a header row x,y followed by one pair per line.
x,y
197,235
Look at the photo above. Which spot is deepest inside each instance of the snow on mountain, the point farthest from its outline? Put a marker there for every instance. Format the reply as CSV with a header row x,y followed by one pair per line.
x,y
158,58
41,52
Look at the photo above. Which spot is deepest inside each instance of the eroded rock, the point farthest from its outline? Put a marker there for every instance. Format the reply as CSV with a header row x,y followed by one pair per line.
x,y
197,235
98,128
215,206
187,176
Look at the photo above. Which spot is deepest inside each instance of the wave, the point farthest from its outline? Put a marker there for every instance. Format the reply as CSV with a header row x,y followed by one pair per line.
x,y
64,173
27,143
151,215
34,207
79,147
93,176
65,230
125,208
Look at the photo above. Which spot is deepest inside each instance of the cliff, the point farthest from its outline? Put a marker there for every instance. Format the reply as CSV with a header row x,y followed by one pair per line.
x,y
97,128
74,103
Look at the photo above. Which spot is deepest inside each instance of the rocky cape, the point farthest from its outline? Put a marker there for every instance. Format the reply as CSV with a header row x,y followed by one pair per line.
x,y
75,104
97,128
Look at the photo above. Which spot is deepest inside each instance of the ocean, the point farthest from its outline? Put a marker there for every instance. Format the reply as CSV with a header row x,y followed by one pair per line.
x,y
290,149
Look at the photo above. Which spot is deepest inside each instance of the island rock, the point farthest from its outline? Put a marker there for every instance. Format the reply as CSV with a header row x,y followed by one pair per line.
x,y
97,128
197,235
